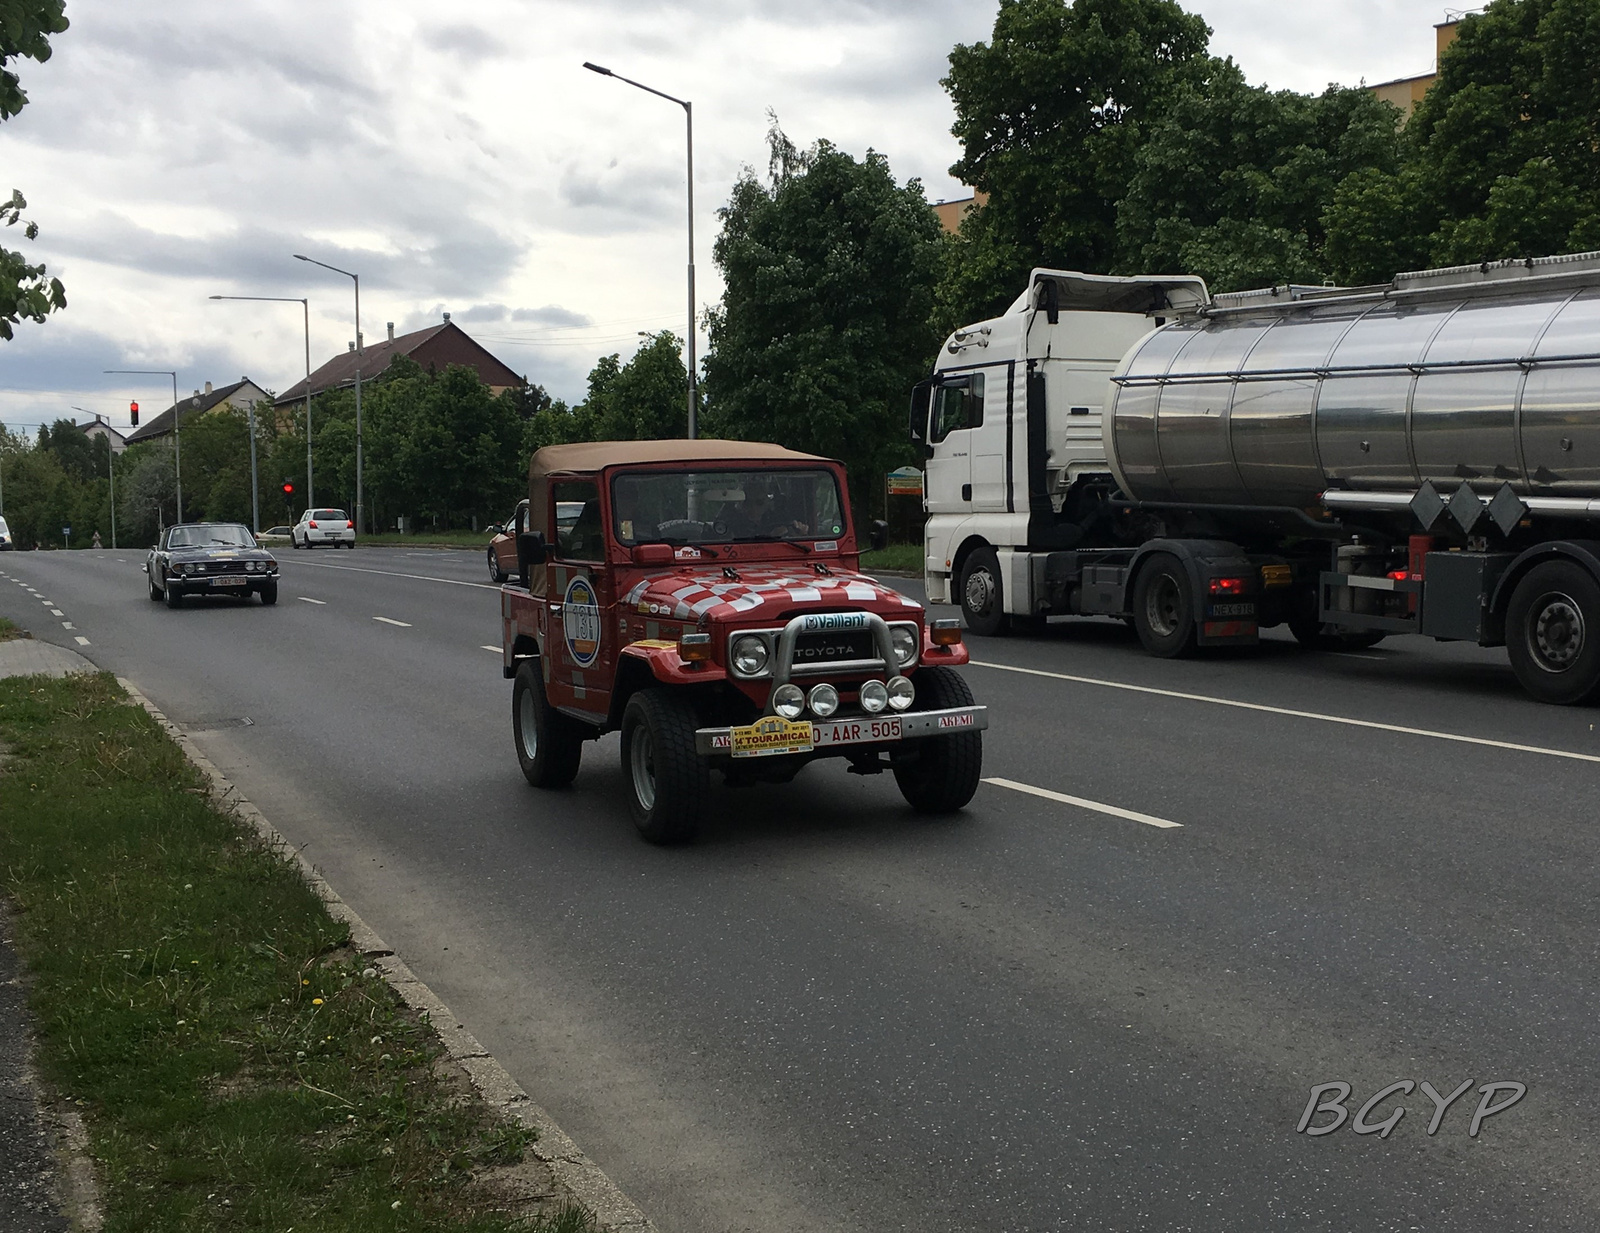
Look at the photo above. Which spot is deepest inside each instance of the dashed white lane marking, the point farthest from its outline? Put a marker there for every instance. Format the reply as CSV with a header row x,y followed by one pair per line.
x,y
68,625
47,601
486,647
389,573
81,640
306,599
57,612
1097,806
1280,710
392,621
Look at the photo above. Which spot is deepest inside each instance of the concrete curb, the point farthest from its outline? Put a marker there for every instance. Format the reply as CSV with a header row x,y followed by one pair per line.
x,y
574,1172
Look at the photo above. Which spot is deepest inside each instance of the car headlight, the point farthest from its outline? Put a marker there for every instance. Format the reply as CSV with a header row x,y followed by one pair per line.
x,y
904,642
823,700
874,697
901,693
788,701
749,655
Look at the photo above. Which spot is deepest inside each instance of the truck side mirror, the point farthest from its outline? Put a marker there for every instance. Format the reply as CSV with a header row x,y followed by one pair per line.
x,y
921,399
530,552
878,536
1050,301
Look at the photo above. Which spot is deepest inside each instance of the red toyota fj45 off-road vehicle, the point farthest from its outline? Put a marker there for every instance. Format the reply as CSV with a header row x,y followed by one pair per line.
x,y
706,601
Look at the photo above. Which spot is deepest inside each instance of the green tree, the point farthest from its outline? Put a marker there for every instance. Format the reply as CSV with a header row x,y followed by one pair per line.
x,y
1050,114
146,492
645,399
26,291
829,273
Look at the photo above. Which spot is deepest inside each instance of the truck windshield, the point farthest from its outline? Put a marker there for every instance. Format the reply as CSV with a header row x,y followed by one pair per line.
x,y
701,507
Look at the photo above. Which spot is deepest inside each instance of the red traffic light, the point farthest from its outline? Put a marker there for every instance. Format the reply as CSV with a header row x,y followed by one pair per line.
x,y
288,488
133,410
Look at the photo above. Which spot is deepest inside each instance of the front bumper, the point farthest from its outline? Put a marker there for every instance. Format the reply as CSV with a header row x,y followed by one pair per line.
x,y
855,730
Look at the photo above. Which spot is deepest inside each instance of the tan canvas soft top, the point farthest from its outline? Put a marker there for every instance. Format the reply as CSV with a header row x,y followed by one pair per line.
x,y
593,455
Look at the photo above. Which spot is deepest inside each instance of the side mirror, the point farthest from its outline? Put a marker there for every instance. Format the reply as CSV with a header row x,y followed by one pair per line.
x,y
494,528
921,397
1050,301
530,552
878,536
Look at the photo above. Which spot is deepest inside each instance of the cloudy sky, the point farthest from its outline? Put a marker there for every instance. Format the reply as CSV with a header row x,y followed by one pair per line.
x,y
460,159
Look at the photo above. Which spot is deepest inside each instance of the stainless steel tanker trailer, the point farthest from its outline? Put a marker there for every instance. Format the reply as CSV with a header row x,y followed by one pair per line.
x,y
1419,457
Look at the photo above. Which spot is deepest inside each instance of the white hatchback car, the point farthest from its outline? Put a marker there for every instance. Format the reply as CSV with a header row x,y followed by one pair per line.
x,y
5,535
323,526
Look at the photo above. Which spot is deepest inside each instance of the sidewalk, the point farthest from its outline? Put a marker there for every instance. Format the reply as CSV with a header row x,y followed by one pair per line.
x,y
29,1201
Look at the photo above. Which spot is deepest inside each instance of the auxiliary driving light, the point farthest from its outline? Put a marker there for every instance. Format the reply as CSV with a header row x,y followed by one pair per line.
x,y
789,701
874,696
824,700
749,655
901,692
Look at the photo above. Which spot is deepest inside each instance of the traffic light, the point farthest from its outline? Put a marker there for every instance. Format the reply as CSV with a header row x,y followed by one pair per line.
x,y
133,410
288,488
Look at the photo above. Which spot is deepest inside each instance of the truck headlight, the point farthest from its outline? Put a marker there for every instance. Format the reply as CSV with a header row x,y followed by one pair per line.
x,y
874,696
823,700
749,655
788,701
901,693
904,642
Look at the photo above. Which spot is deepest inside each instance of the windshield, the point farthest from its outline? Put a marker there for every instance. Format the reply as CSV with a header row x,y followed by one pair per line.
x,y
228,535
699,507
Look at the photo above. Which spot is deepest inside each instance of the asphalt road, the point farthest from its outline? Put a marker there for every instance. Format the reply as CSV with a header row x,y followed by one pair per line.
x,y
830,1014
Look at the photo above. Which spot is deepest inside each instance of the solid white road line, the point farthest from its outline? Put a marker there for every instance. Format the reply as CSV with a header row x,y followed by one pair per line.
x,y
389,573
485,646
306,599
82,641
1081,803
1280,710
392,621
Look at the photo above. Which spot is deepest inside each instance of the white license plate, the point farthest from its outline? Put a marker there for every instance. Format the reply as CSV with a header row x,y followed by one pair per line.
x,y
854,731
230,582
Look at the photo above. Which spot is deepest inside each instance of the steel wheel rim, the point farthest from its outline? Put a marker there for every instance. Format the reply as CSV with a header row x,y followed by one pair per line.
x,y
1163,607
1556,635
641,760
529,725
980,591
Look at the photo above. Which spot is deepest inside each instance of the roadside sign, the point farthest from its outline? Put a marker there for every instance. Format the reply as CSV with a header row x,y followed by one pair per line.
x,y
904,482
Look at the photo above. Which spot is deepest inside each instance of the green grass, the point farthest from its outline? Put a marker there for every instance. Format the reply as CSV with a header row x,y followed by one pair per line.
x,y
906,557
238,1066
430,539
9,630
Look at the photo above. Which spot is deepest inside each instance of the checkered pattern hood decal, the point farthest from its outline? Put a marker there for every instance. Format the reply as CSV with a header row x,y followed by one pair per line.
x,y
758,592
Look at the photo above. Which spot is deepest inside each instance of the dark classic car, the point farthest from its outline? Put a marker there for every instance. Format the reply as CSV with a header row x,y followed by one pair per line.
x,y
210,558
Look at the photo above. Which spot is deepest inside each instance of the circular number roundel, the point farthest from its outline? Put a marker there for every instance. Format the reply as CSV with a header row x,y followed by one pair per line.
x,y
580,622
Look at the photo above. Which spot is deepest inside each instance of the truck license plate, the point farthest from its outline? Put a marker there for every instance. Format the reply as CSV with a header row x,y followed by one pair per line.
x,y
772,734
1233,610
230,582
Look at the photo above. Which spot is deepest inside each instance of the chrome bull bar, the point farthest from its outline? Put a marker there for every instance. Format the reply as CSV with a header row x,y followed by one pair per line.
x,y
831,622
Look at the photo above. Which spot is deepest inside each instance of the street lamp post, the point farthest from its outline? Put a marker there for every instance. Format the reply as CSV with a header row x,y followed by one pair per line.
x,y
177,444
688,115
305,305
360,512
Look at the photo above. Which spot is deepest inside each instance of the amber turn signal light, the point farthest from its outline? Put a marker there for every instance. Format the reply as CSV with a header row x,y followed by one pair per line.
x,y
694,648
946,633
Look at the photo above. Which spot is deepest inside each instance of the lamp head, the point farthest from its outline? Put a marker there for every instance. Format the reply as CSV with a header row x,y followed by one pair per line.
x,y
595,68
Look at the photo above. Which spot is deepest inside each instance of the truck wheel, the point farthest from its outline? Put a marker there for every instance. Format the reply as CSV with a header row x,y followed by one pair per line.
x,y
1163,608
549,744
667,780
982,598
1553,633
1315,636
496,574
943,774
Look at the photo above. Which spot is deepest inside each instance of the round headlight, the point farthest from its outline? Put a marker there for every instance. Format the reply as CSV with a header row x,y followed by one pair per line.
x,y
749,655
901,693
788,701
905,644
874,697
824,700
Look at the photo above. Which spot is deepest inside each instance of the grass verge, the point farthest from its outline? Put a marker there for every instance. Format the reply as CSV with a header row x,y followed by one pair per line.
x,y
907,557
430,539
9,630
238,1066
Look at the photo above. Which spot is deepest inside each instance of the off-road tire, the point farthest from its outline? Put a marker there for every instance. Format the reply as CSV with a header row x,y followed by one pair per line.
x,y
1553,633
173,596
496,574
982,593
549,744
668,782
942,772
1164,608
269,593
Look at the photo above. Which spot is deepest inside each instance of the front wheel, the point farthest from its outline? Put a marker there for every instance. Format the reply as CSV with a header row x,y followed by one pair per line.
x,y
269,593
496,574
940,774
982,594
155,591
174,596
668,782
1163,608
1553,633
549,744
